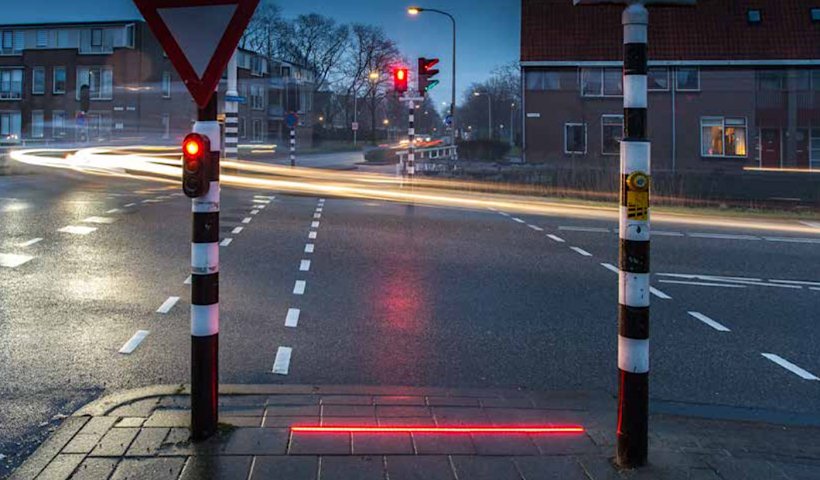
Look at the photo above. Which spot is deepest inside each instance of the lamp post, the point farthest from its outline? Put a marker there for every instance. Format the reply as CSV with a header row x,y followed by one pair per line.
x,y
512,125
490,107
633,259
417,10
374,80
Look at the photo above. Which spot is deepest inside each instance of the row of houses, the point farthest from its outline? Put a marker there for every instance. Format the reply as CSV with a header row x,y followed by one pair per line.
x,y
135,95
732,85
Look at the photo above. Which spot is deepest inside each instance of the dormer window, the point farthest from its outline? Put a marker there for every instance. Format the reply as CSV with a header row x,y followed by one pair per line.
x,y
815,14
754,16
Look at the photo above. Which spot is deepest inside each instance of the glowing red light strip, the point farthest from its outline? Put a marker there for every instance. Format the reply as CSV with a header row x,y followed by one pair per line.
x,y
419,429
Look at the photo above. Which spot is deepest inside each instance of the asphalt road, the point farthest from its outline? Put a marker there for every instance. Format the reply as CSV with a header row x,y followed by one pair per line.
x,y
393,295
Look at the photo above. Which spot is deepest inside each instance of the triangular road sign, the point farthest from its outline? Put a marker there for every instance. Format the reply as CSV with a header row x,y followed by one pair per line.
x,y
199,37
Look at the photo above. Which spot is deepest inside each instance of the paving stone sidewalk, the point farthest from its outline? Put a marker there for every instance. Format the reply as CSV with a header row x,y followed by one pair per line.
x,y
143,434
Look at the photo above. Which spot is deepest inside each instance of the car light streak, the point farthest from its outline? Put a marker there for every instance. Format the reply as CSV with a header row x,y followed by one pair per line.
x,y
512,430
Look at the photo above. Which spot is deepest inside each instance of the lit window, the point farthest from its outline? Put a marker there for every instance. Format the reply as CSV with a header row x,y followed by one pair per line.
x,y
657,79
723,137
687,79
754,16
575,138
612,131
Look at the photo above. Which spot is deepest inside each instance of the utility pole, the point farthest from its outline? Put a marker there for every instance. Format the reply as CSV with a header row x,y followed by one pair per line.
x,y
633,258
232,113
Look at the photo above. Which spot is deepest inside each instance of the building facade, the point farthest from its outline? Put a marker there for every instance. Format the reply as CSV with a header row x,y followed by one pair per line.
x,y
135,95
732,85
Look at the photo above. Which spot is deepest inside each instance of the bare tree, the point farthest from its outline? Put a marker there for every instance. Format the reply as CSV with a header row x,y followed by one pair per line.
x,y
261,34
314,41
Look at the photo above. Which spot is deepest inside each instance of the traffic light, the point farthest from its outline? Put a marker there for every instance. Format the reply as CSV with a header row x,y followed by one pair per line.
x,y
196,151
426,74
400,79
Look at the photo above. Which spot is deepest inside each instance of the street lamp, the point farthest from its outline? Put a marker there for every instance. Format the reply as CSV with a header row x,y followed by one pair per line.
x,y
415,10
490,106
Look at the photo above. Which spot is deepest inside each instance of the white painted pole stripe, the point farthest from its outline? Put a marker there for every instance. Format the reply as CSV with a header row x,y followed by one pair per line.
x,y
304,266
633,355
167,305
312,235
581,251
314,225
237,230
708,321
633,289
611,267
225,242
204,320
585,229
703,284
247,220
299,287
38,240
281,364
805,375
134,342
309,248
292,318
556,238
204,258
208,203
659,293
516,219
536,228
11,260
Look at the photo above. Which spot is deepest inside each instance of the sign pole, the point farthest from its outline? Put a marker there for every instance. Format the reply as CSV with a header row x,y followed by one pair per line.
x,y
411,135
292,146
232,113
205,287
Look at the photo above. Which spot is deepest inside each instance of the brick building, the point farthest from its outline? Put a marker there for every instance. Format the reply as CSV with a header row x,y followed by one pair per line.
x,y
135,93
732,84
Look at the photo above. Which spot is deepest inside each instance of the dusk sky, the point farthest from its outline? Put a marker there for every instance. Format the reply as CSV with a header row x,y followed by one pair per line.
x,y
488,30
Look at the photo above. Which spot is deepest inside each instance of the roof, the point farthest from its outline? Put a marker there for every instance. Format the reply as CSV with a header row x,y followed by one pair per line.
x,y
556,31
53,12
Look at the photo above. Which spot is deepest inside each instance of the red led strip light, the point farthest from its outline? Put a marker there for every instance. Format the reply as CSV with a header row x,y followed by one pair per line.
x,y
419,429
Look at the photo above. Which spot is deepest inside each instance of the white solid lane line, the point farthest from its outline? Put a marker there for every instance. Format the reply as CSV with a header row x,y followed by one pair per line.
x,y
722,236
309,248
536,228
708,321
134,342
816,289
312,235
77,230
167,305
188,280
611,267
292,318
659,294
299,287
11,260
304,266
702,284
792,240
226,242
556,238
585,229
282,363
709,277
662,233
790,367
796,282
38,240
580,251
314,225
247,220
237,230
113,210
100,220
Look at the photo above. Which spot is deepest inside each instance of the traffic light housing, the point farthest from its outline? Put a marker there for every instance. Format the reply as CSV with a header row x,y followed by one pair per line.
x,y
426,74
196,153
400,79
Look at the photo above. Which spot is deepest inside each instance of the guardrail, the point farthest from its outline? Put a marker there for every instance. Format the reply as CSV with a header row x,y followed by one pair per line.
x,y
429,153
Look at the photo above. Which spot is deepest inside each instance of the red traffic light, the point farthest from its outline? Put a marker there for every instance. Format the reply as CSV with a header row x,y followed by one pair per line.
x,y
400,79
196,149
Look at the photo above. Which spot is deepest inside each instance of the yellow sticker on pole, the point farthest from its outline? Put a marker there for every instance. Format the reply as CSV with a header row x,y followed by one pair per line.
x,y
637,196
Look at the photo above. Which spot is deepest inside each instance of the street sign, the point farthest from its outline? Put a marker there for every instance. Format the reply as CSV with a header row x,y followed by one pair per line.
x,y
199,37
291,120
448,120
411,99
355,126
238,99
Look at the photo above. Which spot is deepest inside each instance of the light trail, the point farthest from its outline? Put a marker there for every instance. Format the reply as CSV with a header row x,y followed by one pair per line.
x,y
162,164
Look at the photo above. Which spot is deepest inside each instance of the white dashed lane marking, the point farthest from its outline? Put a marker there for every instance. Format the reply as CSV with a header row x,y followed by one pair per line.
x,y
317,215
792,240
292,318
659,294
299,287
77,230
536,228
580,251
11,260
805,375
584,229
226,242
518,220
281,364
611,267
312,235
314,225
247,220
702,284
661,233
100,220
134,342
304,266
254,212
722,236
708,321
113,210
167,305
555,238
30,242
129,205
309,248
237,230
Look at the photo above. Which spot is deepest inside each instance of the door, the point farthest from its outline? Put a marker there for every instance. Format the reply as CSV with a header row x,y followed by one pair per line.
x,y
801,148
770,147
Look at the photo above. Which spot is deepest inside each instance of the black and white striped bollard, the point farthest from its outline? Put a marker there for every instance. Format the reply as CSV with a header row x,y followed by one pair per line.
x,y
633,262
205,288
411,135
292,147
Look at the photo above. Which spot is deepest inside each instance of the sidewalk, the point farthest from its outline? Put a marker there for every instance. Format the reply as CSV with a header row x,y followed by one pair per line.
x,y
143,434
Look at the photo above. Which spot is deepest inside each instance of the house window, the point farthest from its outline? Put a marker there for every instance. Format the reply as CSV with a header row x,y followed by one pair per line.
x,y
166,126
37,121
58,124
10,126
657,79
754,16
11,84
42,38
815,148
241,128
166,84
602,82
612,131
815,14
258,131
257,97
59,80
129,35
687,79
96,37
8,41
543,81
38,80
575,138
771,81
815,80
100,81
723,137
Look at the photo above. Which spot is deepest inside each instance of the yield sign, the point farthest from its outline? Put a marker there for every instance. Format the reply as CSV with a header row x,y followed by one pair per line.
x,y
199,37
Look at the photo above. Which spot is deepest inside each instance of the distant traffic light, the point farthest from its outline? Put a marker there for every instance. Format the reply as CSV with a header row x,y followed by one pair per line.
x,y
196,151
400,79
426,74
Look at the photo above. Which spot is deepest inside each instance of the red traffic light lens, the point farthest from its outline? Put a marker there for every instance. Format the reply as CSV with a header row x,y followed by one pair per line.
x,y
401,74
192,147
